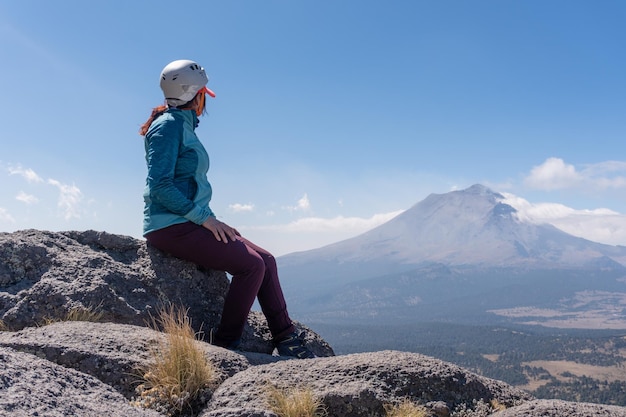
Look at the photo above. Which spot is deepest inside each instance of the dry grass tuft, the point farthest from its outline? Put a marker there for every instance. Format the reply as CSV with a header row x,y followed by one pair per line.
x,y
84,314
79,313
406,409
497,405
179,375
3,326
294,402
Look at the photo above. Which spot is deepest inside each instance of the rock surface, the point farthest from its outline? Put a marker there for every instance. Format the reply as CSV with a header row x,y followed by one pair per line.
x,y
361,385
80,368
89,369
44,275
113,353
30,386
554,408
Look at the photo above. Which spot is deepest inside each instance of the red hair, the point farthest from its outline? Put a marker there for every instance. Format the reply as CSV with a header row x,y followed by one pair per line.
x,y
156,112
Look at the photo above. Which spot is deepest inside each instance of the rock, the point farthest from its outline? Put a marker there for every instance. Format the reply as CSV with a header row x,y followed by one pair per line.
x,y
44,276
361,384
558,408
30,386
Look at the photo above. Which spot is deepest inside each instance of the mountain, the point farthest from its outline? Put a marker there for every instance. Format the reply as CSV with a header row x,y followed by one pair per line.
x,y
461,255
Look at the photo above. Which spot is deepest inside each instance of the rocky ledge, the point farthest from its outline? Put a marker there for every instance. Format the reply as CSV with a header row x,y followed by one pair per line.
x,y
51,367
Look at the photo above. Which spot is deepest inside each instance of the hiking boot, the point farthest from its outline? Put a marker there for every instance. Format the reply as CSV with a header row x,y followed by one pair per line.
x,y
216,341
293,345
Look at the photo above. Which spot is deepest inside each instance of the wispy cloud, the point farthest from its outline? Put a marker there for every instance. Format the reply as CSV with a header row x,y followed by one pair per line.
x,y
26,198
70,198
349,225
238,208
28,174
598,225
302,205
556,174
5,217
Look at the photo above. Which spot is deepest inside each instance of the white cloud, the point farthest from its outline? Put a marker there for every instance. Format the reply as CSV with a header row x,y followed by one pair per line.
x,y
69,200
343,224
599,225
238,208
26,198
555,174
71,203
605,167
302,205
5,216
28,174
602,174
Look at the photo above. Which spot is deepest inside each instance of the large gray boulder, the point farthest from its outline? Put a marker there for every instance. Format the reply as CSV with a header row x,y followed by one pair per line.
x,y
30,386
558,408
45,275
361,384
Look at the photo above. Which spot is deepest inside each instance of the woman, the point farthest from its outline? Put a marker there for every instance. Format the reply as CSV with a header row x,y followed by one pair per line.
x,y
178,220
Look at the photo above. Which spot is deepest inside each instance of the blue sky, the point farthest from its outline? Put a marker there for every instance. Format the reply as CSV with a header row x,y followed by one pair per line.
x,y
330,116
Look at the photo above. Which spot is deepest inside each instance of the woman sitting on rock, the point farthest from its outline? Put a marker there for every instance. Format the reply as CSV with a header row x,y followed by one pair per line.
x,y
178,220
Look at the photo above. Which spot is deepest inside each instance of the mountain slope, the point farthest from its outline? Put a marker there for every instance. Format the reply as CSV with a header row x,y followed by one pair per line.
x,y
449,248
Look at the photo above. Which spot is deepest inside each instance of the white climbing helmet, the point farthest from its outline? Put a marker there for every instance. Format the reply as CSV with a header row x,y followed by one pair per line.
x,y
181,80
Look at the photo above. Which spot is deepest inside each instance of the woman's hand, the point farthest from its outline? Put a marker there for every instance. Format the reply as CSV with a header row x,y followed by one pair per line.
x,y
221,231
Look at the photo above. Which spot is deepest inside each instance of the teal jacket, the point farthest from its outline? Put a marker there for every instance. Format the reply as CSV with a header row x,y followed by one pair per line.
x,y
177,189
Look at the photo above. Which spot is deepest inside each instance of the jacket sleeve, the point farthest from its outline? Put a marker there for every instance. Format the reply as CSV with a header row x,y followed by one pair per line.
x,y
162,146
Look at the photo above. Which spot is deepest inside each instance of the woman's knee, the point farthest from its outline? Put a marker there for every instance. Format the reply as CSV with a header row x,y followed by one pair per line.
x,y
270,261
251,266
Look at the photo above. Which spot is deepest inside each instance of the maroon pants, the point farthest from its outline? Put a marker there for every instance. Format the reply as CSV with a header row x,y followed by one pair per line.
x,y
253,269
